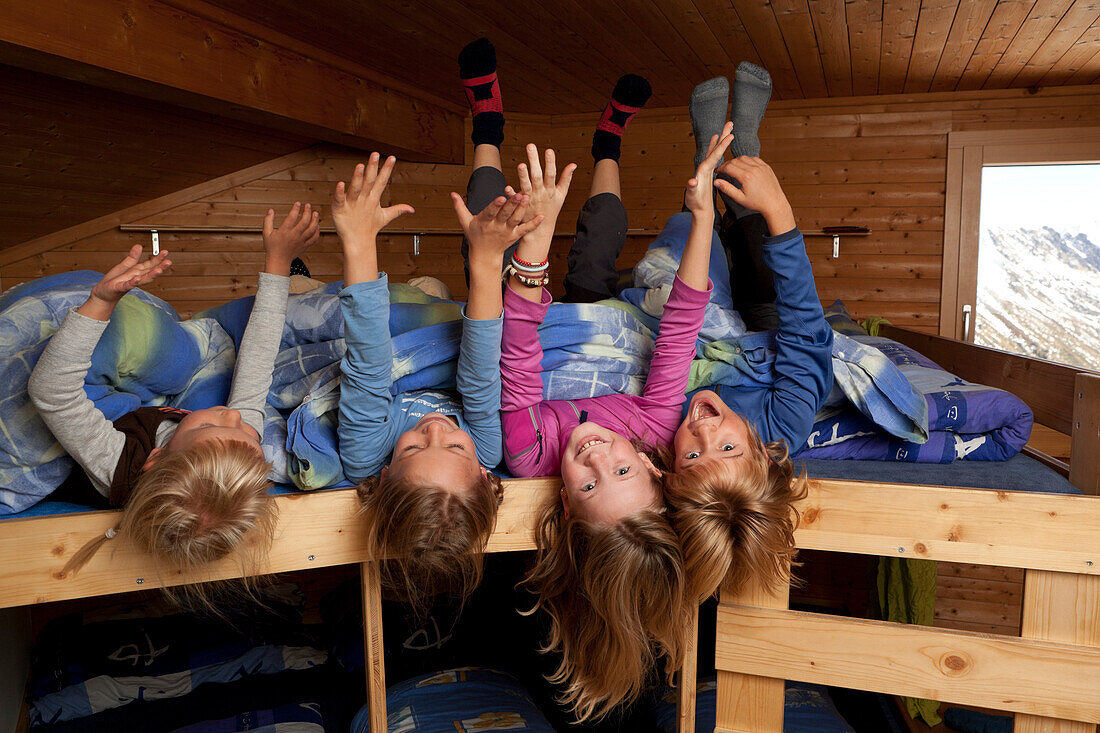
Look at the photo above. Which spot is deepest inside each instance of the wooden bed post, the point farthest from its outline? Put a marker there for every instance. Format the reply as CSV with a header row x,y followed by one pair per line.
x,y
685,685
373,648
747,703
1064,606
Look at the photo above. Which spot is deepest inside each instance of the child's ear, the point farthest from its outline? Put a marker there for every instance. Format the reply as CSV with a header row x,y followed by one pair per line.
x,y
152,458
382,476
649,465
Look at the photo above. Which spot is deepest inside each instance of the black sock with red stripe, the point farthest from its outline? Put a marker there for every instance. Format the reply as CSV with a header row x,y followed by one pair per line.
x,y
477,65
630,95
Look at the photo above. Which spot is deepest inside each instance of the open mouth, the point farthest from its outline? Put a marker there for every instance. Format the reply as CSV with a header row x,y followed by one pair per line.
x,y
703,410
588,443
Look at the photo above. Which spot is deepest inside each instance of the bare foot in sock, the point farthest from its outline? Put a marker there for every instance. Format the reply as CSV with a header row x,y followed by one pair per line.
x,y
708,108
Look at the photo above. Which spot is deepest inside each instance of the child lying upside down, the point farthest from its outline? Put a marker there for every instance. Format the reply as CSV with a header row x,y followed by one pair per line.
x,y
192,485
608,569
421,458
732,481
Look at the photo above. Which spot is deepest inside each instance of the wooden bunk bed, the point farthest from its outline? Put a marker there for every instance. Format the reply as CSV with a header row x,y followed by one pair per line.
x,y
1049,677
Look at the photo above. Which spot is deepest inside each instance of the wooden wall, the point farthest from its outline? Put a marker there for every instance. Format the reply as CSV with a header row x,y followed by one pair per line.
x,y
70,152
878,162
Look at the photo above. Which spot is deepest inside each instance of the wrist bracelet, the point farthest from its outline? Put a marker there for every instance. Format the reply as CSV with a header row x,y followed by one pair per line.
x,y
530,282
530,266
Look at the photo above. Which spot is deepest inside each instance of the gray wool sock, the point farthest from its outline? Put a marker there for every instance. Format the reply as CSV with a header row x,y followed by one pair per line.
x,y
708,106
752,88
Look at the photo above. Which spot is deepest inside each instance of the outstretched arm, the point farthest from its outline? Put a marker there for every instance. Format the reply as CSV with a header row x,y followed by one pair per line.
x,y
686,306
547,193
367,366
264,331
57,383
803,363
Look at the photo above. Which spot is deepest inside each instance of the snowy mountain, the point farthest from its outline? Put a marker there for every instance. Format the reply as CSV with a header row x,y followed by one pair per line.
x,y
1039,294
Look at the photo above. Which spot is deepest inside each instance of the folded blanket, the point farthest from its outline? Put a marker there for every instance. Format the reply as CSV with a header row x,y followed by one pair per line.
x,y
965,420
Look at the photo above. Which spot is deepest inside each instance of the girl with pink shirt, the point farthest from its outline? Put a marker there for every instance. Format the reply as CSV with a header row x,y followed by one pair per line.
x,y
609,569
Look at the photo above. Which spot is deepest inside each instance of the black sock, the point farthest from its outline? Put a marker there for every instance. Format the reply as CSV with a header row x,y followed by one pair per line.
x,y
477,65
297,267
630,95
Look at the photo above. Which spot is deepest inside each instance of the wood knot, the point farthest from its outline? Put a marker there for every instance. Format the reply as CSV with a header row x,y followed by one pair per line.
x,y
58,551
1053,514
954,665
128,19
920,549
944,506
59,575
954,534
811,515
1002,496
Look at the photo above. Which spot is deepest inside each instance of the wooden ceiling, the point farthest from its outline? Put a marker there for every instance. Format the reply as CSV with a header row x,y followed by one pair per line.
x,y
564,55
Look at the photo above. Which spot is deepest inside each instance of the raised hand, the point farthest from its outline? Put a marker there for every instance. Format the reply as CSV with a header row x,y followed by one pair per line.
x,y
498,225
121,279
299,230
357,208
546,191
760,191
699,197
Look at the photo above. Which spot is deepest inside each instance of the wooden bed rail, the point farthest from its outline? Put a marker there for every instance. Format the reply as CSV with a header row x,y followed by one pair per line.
x,y
1058,536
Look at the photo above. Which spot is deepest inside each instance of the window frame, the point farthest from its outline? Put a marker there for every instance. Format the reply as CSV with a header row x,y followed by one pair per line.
x,y
967,153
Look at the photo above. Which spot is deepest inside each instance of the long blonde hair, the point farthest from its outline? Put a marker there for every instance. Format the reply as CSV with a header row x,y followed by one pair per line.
x,y
740,528
432,540
615,597
195,506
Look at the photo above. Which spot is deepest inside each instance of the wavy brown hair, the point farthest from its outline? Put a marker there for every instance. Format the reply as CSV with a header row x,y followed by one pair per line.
x,y
432,540
615,596
193,507
737,528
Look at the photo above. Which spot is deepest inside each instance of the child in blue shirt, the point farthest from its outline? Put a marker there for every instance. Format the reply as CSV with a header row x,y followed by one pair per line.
x,y
421,458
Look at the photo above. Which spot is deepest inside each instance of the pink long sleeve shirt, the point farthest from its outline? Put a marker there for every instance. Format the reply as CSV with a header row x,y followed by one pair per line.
x,y
535,429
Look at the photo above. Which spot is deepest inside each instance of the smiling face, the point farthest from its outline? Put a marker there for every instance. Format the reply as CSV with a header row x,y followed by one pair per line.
x,y
212,423
605,478
436,453
711,431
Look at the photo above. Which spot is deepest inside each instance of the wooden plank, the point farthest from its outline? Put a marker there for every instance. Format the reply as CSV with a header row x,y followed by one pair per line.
x,y
17,252
1021,675
933,27
1084,471
970,22
1075,59
1072,26
687,679
746,701
1033,530
952,223
801,39
864,31
316,529
1065,608
373,647
1007,18
217,68
969,226
1046,387
1042,19
899,29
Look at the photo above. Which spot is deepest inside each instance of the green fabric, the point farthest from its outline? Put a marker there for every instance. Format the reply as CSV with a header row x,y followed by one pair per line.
x,y
907,594
871,324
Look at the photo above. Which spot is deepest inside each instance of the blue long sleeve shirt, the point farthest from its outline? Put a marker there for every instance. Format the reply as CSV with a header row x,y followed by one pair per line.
x,y
371,419
803,368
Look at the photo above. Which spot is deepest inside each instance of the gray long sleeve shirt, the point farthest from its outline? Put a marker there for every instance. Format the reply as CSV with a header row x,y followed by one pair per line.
x,y
57,383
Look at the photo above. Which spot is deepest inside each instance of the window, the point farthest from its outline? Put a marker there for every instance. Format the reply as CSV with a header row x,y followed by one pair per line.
x,y
1021,268
1038,287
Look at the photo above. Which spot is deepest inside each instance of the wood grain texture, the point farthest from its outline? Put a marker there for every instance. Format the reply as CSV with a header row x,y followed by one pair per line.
x,y
215,66
747,701
1084,469
374,647
1020,675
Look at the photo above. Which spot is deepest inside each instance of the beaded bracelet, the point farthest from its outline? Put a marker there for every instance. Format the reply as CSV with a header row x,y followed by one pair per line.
x,y
530,282
529,266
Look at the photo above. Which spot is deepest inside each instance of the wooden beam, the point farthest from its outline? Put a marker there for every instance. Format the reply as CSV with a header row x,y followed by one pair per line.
x,y
373,647
1084,468
320,528
179,56
686,681
1046,386
746,701
1044,678
1065,608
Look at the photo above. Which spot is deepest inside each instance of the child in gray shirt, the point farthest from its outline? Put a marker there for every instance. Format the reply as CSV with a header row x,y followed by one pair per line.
x,y
191,484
